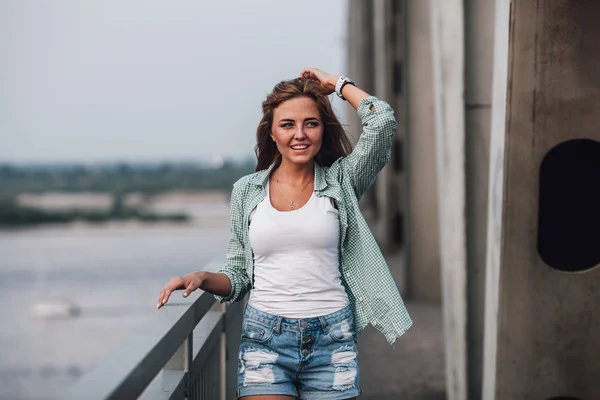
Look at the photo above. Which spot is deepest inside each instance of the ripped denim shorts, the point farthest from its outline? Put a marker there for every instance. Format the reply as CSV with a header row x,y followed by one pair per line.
x,y
312,358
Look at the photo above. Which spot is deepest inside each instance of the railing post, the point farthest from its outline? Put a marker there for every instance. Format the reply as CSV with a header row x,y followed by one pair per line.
x,y
223,356
233,331
182,361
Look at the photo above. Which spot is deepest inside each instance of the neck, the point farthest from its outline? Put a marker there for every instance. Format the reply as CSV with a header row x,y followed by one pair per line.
x,y
295,173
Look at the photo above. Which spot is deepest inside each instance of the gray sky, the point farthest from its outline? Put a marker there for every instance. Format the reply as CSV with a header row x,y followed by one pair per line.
x,y
149,80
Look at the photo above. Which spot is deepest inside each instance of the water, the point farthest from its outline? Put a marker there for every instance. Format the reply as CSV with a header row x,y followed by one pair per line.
x,y
113,273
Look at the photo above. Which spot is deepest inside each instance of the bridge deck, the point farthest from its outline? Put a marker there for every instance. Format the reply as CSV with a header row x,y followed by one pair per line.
x,y
413,368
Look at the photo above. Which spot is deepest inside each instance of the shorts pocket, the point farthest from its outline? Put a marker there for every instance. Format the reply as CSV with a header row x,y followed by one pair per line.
x,y
257,331
343,331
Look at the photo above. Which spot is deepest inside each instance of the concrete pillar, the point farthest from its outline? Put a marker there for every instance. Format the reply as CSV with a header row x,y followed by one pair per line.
x,y
423,255
388,193
447,35
397,17
387,186
360,68
543,285
479,23
495,190
376,55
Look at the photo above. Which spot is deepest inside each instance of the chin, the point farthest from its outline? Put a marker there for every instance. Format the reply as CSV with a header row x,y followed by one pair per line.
x,y
301,160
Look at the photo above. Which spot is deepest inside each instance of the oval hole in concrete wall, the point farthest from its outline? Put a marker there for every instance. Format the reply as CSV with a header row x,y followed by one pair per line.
x,y
569,206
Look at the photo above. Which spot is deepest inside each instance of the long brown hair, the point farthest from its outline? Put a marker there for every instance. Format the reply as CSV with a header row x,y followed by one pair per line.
x,y
335,143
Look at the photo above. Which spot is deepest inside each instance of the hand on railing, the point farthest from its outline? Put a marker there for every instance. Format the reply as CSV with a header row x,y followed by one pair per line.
x,y
189,283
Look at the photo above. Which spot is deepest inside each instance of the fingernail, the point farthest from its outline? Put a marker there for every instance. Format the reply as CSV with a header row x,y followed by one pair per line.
x,y
184,294
164,301
158,305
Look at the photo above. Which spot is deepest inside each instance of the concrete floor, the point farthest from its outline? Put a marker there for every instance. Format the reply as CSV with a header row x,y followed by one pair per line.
x,y
413,368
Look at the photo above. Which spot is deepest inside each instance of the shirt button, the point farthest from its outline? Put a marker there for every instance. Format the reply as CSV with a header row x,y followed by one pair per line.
x,y
304,352
361,299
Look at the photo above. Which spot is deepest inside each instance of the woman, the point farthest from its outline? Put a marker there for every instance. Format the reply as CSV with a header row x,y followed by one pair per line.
x,y
315,274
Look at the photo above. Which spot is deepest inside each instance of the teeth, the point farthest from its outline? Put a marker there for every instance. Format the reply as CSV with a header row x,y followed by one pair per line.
x,y
299,147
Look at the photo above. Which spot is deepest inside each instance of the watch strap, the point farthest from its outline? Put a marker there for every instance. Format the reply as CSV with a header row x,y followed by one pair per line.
x,y
343,80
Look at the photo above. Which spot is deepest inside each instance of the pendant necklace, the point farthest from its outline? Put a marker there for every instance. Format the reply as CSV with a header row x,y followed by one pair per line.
x,y
292,205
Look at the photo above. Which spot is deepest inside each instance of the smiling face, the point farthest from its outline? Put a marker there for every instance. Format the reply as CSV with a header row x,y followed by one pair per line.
x,y
297,130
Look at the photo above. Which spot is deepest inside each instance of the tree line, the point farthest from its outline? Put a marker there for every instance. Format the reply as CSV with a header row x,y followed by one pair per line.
x,y
117,179
120,178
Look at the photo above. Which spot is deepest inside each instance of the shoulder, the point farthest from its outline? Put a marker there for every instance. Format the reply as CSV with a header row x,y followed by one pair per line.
x,y
337,169
246,182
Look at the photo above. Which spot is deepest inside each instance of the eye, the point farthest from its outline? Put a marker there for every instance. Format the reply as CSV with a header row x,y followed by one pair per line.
x,y
313,124
287,125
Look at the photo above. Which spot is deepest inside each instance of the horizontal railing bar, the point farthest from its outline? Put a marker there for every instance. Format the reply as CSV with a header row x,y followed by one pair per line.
x,y
133,365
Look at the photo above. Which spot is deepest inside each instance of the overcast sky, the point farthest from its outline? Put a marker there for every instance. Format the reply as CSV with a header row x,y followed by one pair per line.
x,y
150,80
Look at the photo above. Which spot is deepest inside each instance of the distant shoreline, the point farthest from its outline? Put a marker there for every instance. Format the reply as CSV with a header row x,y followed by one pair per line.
x,y
59,208
13,215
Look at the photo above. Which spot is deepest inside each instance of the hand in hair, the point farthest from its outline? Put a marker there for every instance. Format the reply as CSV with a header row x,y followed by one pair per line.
x,y
326,80
351,93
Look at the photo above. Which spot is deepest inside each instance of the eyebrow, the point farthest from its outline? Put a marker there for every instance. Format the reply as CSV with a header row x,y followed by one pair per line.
x,y
291,120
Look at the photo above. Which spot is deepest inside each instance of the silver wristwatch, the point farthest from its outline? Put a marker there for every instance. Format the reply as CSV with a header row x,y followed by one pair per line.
x,y
340,84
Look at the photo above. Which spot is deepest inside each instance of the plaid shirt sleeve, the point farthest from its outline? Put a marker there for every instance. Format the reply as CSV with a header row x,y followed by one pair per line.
x,y
373,149
235,267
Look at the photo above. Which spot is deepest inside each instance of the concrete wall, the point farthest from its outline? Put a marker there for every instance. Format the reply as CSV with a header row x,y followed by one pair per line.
x,y
423,261
479,45
544,339
448,82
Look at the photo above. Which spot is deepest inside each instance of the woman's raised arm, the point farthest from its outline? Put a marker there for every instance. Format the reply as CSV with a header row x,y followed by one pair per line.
x,y
373,149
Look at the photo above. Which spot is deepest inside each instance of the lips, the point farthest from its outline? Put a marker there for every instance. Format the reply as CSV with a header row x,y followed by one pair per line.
x,y
300,147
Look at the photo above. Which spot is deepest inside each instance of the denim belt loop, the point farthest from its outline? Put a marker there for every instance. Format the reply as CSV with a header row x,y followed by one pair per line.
x,y
277,327
324,324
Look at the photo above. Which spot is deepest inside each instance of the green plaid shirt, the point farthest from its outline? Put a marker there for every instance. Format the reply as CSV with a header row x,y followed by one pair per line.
x,y
371,289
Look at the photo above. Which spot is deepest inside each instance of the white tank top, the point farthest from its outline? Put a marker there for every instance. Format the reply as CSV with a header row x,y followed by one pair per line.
x,y
296,259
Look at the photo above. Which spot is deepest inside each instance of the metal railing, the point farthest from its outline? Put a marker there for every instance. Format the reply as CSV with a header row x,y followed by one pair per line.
x,y
189,350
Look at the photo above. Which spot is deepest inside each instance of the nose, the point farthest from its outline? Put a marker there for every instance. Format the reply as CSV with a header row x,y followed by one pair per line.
x,y
300,134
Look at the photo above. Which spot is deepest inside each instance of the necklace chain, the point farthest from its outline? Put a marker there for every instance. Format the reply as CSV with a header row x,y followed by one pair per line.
x,y
292,205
